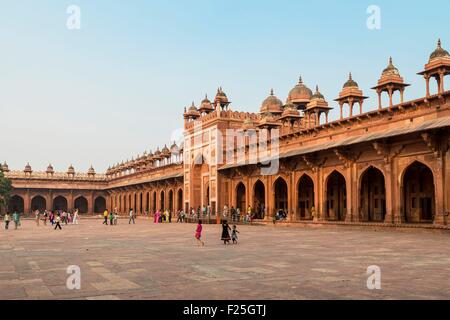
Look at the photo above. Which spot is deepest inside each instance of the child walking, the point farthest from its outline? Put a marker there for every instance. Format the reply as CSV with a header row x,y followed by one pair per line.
x,y
234,233
198,233
58,222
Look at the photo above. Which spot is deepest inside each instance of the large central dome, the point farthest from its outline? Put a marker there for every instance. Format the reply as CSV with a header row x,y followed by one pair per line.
x,y
272,104
300,93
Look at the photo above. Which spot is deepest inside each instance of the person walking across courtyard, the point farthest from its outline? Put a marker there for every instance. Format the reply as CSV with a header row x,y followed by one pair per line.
x,y
225,232
131,215
58,222
37,217
111,218
198,233
105,217
75,217
6,220
16,219
234,233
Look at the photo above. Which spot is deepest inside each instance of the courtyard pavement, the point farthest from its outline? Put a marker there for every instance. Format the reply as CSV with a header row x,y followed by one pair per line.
x,y
147,261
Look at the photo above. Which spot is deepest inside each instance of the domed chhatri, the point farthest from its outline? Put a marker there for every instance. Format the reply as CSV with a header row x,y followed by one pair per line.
x,y
221,99
91,171
350,94
71,170
438,67
317,95
390,81
300,95
192,113
174,148
439,52
28,168
4,167
272,104
316,108
50,169
350,82
165,151
206,106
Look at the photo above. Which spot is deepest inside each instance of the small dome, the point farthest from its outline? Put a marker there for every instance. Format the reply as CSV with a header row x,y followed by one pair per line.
x,y
5,167
390,70
91,170
300,92
71,169
27,168
317,94
174,148
221,97
272,104
157,152
206,105
192,111
350,82
165,150
439,52
50,169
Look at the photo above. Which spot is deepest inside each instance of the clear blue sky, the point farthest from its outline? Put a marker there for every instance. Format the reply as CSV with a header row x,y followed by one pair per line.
x,y
118,86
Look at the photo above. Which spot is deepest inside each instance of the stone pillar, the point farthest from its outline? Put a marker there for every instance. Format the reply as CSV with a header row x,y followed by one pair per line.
x,y
441,82
390,97
341,112
439,218
379,99
397,194
349,186
90,200
27,202
427,82
291,196
389,181
317,194
70,201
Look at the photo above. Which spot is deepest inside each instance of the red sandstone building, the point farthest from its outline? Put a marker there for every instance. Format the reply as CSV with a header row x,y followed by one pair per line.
x,y
391,164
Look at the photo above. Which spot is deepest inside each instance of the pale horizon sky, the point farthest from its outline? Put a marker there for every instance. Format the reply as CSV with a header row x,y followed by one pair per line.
x,y
118,86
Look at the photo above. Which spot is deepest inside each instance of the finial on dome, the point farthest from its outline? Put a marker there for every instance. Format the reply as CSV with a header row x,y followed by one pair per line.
x,y
271,92
350,76
317,88
390,60
300,80
439,43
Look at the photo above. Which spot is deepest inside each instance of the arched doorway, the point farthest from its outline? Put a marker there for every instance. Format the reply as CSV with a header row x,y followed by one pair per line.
x,y
240,197
207,195
16,204
162,201
147,202
170,201
60,203
154,201
336,197
281,195
418,193
99,205
81,204
180,199
372,204
38,203
305,197
259,199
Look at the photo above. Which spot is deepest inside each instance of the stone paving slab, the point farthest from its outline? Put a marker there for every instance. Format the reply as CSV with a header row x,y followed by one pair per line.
x,y
148,261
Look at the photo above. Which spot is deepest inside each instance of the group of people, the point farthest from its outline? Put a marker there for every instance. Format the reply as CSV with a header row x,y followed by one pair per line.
x,y
226,237
113,217
237,216
56,218
14,217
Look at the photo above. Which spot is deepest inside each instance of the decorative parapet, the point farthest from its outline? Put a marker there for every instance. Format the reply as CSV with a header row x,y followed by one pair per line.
x,y
55,176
